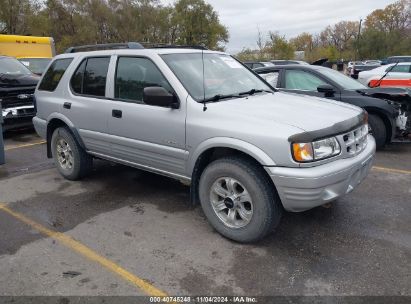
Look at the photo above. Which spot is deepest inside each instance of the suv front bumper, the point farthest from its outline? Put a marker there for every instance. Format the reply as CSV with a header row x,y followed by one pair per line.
x,y
301,189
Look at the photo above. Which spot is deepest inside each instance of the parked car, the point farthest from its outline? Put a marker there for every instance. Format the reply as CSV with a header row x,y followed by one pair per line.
x,y
201,117
395,59
257,64
17,85
36,65
391,75
360,67
372,62
389,109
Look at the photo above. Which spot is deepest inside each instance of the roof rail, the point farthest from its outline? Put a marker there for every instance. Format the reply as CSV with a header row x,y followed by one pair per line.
x,y
130,45
172,46
107,46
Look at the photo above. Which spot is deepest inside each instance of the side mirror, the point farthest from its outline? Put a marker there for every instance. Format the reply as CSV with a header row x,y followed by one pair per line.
x,y
327,89
158,96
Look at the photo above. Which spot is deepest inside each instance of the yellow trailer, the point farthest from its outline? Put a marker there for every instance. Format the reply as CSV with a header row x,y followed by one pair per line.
x,y
34,52
27,46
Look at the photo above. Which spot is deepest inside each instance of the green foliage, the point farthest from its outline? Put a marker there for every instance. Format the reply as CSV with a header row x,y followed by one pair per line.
x,y
77,22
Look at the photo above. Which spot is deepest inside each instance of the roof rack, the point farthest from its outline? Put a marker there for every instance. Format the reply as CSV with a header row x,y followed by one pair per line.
x,y
171,46
107,46
130,45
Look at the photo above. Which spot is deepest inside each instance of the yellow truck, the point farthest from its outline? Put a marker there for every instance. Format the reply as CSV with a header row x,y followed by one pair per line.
x,y
34,52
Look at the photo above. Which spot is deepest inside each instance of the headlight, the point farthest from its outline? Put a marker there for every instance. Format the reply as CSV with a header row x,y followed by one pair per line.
x,y
321,149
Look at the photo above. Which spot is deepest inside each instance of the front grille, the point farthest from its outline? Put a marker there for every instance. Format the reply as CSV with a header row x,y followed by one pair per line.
x,y
356,140
16,98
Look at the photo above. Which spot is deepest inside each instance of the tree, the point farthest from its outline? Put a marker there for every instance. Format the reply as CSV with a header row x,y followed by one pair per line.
x,y
15,15
196,23
278,47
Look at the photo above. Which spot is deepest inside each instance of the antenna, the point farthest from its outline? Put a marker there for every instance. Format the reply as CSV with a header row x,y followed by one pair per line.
x,y
204,94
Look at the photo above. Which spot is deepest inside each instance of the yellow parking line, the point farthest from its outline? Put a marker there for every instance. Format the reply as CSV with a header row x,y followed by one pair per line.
x,y
24,146
83,250
390,170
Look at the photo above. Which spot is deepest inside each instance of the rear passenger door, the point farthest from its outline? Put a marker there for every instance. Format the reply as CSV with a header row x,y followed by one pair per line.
x,y
146,135
87,106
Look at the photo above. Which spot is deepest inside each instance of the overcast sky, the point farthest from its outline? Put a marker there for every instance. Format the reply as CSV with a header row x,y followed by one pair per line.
x,y
243,17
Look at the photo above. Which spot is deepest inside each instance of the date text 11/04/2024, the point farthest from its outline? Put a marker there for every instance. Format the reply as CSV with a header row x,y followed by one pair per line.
x,y
203,299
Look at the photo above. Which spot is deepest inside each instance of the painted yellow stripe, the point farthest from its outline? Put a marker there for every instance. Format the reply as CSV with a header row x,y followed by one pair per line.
x,y
83,250
390,170
24,146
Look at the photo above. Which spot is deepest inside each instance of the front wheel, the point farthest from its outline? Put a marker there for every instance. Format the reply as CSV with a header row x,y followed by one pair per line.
x,y
239,200
378,130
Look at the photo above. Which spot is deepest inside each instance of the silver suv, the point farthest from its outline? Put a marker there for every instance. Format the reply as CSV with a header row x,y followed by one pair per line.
x,y
199,116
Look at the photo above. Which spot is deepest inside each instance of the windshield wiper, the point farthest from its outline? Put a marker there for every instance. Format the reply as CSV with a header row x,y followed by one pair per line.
x,y
385,75
219,97
253,91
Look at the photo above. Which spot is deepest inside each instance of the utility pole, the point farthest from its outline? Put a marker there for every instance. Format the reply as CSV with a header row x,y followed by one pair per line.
x,y
358,40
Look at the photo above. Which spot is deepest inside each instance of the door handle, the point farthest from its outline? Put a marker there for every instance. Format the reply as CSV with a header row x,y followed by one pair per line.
x,y
67,105
117,113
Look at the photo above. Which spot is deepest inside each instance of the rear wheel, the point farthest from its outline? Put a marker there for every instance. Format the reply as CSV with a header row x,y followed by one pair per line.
x,y
71,160
239,200
378,130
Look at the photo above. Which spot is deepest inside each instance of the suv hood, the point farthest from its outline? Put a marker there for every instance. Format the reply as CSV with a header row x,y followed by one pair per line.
x,y
304,112
18,80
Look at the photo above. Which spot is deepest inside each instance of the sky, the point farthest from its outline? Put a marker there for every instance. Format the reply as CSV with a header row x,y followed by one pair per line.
x,y
243,18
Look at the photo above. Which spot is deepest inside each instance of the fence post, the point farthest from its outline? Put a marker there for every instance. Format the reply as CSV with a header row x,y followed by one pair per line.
x,y
2,158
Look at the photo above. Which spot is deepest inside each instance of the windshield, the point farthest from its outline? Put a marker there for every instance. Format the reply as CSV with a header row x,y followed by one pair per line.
x,y
11,66
223,75
345,82
36,65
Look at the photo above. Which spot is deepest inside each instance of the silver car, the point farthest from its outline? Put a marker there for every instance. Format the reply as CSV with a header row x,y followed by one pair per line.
x,y
199,116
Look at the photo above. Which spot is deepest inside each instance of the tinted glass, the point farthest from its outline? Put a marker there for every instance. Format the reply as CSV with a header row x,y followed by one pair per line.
x,y
77,79
95,76
54,74
399,69
135,74
300,80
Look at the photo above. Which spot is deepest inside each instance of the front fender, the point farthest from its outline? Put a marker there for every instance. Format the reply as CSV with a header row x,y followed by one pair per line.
x,y
228,142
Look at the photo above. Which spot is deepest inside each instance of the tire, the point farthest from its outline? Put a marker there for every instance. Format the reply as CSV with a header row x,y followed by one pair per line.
x,y
246,177
378,130
78,163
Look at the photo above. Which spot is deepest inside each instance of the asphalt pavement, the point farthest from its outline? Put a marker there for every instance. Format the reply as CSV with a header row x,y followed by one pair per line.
x,y
122,231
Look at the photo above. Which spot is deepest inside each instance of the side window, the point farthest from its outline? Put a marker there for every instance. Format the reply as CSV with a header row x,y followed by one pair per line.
x,y
257,65
77,79
300,80
54,74
90,77
400,69
271,78
133,75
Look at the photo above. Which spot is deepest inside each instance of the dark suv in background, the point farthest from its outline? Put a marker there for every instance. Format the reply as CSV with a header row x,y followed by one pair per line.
x,y
17,85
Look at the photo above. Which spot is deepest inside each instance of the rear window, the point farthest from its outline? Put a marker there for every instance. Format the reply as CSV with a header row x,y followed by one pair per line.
x,y
54,74
90,77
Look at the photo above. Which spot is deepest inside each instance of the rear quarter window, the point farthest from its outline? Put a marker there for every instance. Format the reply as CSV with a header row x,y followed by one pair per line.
x,y
54,74
90,77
